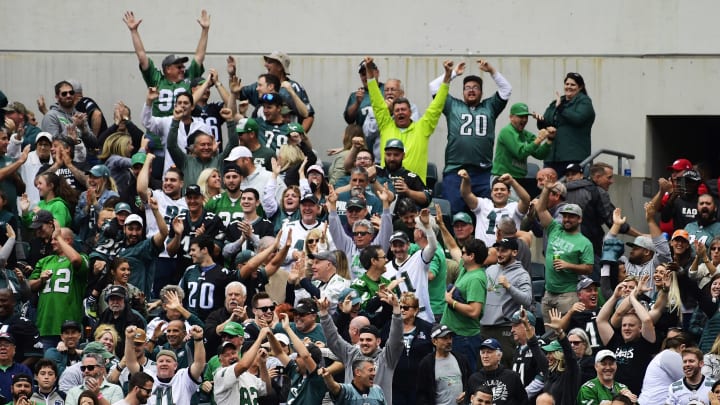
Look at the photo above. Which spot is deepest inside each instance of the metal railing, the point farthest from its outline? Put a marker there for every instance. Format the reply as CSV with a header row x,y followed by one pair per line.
x,y
620,156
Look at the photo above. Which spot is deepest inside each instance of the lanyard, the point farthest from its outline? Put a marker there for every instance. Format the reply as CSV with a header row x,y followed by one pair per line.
x,y
167,391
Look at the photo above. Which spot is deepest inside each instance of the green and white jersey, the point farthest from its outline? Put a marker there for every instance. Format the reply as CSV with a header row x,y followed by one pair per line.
x,y
225,207
163,105
169,209
471,132
244,389
273,136
63,291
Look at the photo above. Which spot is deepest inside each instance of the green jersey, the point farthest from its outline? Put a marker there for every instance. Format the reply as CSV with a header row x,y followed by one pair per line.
x,y
594,392
141,257
168,91
472,286
273,136
436,286
367,287
471,132
513,149
63,291
224,207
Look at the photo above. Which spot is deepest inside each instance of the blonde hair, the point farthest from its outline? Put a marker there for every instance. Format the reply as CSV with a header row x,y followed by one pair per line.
x,y
116,144
559,365
314,233
410,299
104,328
343,266
290,155
202,181
715,347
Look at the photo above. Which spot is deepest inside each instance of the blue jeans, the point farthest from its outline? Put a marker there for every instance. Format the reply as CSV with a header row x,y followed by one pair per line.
x,y
480,180
468,346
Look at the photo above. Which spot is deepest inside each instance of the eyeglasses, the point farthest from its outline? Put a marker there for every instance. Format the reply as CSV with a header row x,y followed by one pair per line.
x,y
575,342
406,307
468,88
147,390
266,309
713,249
91,367
67,93
311,241
363,158
361,233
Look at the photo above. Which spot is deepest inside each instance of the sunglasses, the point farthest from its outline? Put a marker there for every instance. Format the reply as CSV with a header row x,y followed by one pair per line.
x,y
67,93
269,98
406,307
361,233
715,248
311,241
266,309
148,391
88,368
575,342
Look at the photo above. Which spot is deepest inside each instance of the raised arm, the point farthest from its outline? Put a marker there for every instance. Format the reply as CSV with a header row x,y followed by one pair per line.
x,y
332,385
448,239
198,364
466,190
522,194
248,358
133,24
541,210
143,178
204,22
605,330
298,344
648,327
159,238
300,106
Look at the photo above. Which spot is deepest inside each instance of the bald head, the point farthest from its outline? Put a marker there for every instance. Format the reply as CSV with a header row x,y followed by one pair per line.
x,y
546,174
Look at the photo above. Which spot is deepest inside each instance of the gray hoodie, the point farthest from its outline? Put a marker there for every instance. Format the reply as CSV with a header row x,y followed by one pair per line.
x,y
501,303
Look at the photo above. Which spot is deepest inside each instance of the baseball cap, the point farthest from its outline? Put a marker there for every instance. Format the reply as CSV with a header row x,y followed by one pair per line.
x,y
325,255
586,282
285,110
170,353
138,158
70,324
571,209
16,107
370,329
197,81
173,59
282,338
603,354
642,241
237,153
116,291
295,127
519,109
440,330
122,206
560,189
140,336
490,343
691,175
76,85
41,217
681,233
100,171
462,217
305,306
355,202
193,189
361,66
246,125
515,318
229,167
43,135
8,337
223,346
281,57
680,164
309,197
316,168
22,377
133,218
401,236
507,243
353,294
271,98
553,346
574,168
243,256
395,144
233,329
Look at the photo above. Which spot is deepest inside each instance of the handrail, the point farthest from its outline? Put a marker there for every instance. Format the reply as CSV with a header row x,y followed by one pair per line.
x,y
620,157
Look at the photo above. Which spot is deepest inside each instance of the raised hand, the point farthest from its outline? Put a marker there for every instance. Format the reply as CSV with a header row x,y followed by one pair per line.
x,y
485,66
152,94
130,21
463,174
204,19
460,69
226,114
555,319
9,231
618,219
152,202
231,65
178,226
178,113
425,216
448,66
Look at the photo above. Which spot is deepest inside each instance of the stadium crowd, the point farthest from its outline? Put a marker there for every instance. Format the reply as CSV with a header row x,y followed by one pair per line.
x,y
206,254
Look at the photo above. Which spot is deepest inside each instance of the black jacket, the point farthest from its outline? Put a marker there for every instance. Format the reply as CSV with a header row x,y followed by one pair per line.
x,y
426,378
506,385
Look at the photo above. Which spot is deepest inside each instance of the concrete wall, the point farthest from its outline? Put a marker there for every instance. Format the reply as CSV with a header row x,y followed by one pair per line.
x,y
639,58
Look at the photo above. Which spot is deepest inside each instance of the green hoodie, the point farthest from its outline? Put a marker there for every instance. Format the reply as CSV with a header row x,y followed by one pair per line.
x,y
57,207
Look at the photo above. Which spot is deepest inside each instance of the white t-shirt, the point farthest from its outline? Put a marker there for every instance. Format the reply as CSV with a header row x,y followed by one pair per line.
x,y
181,388
244,389
168,208
487,218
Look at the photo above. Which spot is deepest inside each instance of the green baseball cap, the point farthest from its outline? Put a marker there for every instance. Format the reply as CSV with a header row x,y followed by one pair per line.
x,y
98,348
246,125
138,159
295,127
395,144
519,109
462,217
233,329
99,171
554,346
